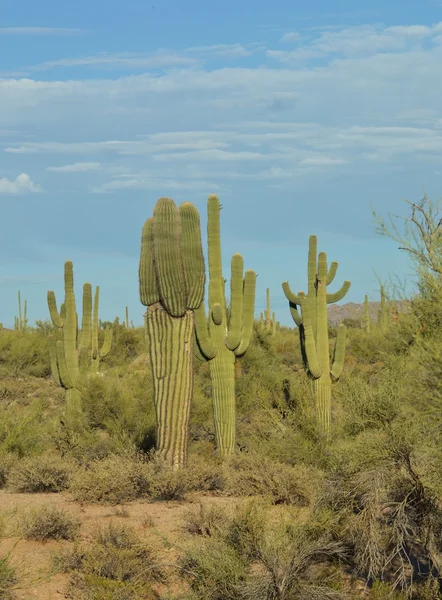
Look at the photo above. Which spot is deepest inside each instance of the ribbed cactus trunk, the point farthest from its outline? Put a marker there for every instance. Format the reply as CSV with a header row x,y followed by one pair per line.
x,y
171,358
322,385
222,374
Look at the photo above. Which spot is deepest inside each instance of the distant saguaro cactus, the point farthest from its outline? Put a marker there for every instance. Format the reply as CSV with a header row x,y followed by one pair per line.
x,y
313,329
172,279
227,333
96,352
366,315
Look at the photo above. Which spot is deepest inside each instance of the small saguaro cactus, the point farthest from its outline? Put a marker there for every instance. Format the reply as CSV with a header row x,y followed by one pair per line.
x,y
366,315
384,311
21,322
172,279
68,355
313,329
268,311
96,352
227,333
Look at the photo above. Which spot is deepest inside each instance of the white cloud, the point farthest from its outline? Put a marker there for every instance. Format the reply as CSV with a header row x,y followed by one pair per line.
x,y
319,161
147,182
41,31
357,41
290,36
221,50
157,60
79,167
20,185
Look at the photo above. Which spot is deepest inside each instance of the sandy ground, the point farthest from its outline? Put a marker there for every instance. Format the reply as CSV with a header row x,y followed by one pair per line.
x,y
162,522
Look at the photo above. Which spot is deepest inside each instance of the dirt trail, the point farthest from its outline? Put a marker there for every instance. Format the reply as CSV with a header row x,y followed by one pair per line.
x,y
162,521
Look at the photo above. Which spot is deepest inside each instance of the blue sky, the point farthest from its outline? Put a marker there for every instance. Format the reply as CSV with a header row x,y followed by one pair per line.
x,y
299,119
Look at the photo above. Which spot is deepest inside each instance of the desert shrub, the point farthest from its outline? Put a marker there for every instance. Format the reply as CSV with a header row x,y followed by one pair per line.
x,y
260,556
127,344
252,475
23,432
368,399
387,515
7,461
39,474
24,353
7,578
206,520
121,406
213,569
49,523
113,480
117,565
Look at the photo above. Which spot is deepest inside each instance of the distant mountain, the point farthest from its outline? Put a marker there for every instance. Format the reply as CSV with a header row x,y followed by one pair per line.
x,y
351,310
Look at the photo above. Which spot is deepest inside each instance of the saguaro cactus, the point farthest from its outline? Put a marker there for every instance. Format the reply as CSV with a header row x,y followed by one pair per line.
x,y
21,322
384,311
313,327
268,311
366,315
96,352
67,355
227,333
172,278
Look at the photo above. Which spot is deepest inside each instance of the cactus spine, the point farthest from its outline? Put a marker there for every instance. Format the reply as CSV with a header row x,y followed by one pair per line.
x,y
172,279
68,355
227,333
313,327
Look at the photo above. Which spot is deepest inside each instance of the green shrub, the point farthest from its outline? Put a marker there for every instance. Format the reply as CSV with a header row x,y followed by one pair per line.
x,y
113,480
117,565
40,474
49,523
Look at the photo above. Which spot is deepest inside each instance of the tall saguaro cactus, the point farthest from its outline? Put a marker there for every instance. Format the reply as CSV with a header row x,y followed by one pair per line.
x,y
69,354
313,327
227,333
172,279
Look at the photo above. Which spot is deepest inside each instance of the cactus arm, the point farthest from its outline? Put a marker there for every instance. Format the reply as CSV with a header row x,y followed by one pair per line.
x,y
206,348
107,342
70,325
53,359
147,279
339,353
55,315
332,272
65,378
332,298
311,355
86,322
295,314
216,280
233,339
168,257
192,252
217,314
291,297
249,312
